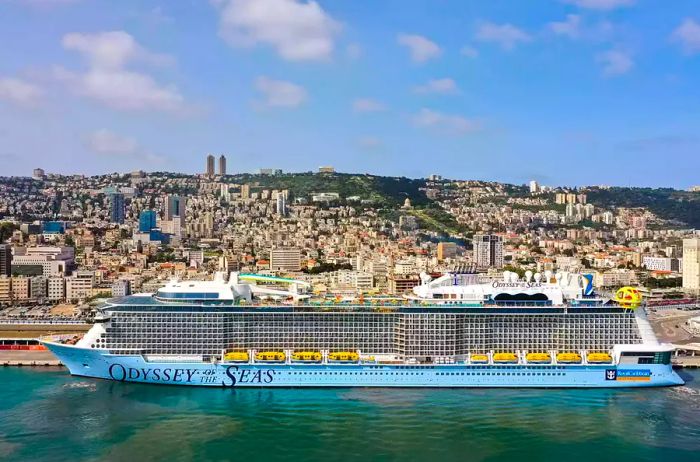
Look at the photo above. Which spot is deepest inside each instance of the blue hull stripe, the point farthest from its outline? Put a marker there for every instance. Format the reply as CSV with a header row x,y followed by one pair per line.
x,y
94,363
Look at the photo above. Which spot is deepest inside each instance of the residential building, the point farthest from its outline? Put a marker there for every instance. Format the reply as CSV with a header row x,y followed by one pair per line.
x,y
79,286
245,191
446,250
38,287
401,284
20,288
488,250
210,165
5,260
661,264
691,265
56,288
174,206
38,174
116,208
222,165
121,288
5,289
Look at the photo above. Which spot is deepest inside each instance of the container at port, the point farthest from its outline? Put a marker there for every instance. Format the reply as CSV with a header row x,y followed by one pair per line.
x,y
270,356
569,358
344,356
237,357
539,358
505,358
307,356
599,358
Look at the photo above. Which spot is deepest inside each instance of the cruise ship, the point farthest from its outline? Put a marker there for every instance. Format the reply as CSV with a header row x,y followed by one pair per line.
x,y
457,330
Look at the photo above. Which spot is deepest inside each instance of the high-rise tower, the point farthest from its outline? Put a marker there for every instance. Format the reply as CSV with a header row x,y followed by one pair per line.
x,y
210,165
222,165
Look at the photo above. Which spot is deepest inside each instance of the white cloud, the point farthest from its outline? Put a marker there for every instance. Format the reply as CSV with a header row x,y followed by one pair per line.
x,y
369,142
440,86
505,35
601,4
367,105
687,34
445,122
298,30
570,27
19,92
107,143
420,48
279,93
107,79
469,51
111,50
615,62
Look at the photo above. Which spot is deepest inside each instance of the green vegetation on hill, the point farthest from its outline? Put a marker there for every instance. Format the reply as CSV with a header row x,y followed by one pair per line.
x,y
669,204
382,190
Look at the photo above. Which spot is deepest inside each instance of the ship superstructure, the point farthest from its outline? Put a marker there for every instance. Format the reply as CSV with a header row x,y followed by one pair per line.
x,y
222,333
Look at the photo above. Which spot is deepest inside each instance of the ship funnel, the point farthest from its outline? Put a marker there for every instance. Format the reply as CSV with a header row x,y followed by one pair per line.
x,y
425,278
538,277
528,275
547,276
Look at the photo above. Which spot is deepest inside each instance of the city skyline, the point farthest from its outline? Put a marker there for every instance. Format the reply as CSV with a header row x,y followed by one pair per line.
x,y
575,92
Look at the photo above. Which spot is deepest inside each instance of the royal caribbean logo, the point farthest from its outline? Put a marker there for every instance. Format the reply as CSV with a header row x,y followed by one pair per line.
x,y
628,375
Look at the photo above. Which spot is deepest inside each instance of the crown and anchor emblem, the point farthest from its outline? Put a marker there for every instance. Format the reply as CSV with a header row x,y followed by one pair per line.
x,y
610,374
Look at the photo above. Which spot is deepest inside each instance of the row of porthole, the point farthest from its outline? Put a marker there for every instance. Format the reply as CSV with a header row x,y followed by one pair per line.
x,y
501,373
356,373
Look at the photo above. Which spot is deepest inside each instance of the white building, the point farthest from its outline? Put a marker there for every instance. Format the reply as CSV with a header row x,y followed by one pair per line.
x,y
79,286
285,259
37,287
56,288
121,288
52,261
661,264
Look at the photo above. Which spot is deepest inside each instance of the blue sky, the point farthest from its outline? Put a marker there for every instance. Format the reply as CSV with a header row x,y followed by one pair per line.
x,y
568,92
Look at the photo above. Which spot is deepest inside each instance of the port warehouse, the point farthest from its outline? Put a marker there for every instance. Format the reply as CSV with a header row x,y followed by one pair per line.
x,y
410,332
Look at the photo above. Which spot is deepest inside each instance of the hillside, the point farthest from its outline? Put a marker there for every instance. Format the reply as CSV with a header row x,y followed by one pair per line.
x,y
382,190
669,204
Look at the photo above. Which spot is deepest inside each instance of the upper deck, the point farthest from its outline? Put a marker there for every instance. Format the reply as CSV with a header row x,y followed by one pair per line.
x,y
150,303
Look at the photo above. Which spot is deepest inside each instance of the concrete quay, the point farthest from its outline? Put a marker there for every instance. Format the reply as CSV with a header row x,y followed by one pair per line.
x,y
28,358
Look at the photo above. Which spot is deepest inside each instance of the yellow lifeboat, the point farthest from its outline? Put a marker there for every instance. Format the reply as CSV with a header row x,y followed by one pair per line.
x,y
237,357
349,356
568,358
307,356
480,359
505,358
597,358
538,358
270,356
